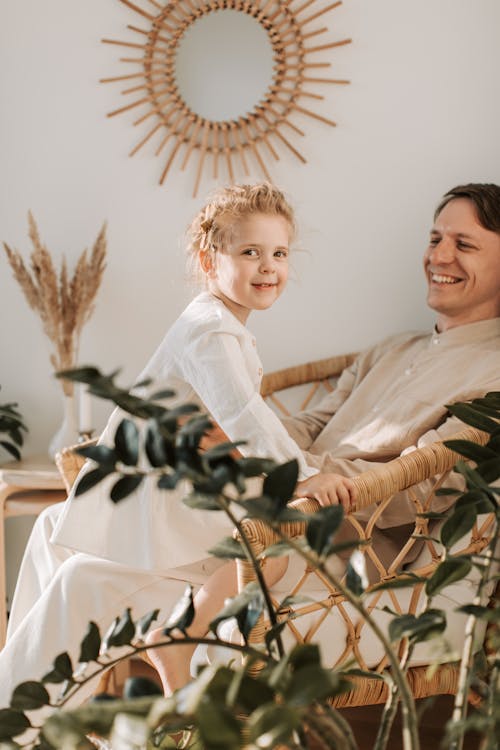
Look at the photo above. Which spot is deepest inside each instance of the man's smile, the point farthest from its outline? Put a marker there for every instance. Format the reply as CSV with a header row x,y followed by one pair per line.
x,y
439,278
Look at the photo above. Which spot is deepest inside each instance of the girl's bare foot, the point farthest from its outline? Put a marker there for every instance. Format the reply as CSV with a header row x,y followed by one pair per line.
x,y
172,662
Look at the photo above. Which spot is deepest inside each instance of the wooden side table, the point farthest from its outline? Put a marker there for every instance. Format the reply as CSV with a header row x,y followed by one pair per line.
x,y
26,488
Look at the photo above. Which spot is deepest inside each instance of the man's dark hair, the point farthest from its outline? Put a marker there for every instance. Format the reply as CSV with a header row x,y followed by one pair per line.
x,y
486,200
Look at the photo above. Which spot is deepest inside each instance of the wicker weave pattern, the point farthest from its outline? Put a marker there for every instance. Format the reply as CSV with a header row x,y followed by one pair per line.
x,y
375,488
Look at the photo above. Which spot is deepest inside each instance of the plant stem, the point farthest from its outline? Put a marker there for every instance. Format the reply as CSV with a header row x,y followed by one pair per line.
x,y
409,717
258,572
242,648
460,705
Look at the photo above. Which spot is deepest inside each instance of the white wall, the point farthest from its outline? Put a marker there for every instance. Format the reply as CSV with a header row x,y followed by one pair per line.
x,y
421,115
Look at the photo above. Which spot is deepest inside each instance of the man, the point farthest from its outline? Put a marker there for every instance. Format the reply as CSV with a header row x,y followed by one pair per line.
x,y
390,400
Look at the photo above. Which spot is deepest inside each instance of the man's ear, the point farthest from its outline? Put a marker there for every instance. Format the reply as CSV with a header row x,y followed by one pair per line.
x,y
206,259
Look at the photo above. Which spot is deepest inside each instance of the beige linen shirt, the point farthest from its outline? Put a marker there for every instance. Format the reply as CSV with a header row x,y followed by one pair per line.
x,y
393,398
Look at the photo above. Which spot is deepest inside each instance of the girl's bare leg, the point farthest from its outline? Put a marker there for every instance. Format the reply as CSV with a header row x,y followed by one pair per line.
x,y
172,662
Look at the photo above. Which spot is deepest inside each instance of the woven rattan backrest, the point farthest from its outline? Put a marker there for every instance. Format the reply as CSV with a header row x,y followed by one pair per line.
x,y
314,375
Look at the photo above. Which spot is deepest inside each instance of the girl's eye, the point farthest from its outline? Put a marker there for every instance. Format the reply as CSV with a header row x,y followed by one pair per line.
x,y
250,251
281,254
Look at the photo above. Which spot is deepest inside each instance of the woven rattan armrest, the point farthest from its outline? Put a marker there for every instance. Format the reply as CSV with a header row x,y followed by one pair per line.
x,y
373,486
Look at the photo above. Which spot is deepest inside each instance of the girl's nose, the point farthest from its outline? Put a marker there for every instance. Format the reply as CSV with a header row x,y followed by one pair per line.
x,y
266,264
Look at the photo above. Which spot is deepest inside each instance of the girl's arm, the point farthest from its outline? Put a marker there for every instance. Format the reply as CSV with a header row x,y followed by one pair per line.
x,y
215,366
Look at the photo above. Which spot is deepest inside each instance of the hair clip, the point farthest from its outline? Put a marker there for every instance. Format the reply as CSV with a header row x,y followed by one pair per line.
x,y
207,225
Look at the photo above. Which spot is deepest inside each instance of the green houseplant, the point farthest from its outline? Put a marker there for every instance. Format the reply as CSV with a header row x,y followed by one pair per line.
x,y
286,702
11,429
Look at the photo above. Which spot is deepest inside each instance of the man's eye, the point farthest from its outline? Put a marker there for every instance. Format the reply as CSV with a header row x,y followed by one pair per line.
x,y
464,246
433,241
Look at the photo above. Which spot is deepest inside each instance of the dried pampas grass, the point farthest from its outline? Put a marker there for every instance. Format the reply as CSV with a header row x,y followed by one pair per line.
x,y
64,304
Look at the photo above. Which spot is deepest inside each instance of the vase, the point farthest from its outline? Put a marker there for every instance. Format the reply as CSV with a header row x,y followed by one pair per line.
x,y
67,434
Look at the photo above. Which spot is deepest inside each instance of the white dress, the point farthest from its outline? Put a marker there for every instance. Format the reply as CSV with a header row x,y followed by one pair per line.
x,y
207,357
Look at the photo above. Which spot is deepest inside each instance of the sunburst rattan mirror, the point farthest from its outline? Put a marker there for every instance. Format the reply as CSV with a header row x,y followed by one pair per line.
x,y
251,139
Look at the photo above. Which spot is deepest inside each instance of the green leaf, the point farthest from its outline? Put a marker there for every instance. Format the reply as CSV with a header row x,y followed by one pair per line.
x,y
322,527
247,691
11,449
450,570
90,645
199,501
280,483
169,481
274,633
482,613
92,478
101,454
221,450
303,655
29,695
195,427
477,498
80,374
125,486
123,632
218,727
12,723
472,476
228,548
472,416
458,524
62,669
421,628
356,672
312,683
246,607
470,450
489,470
144,623
127,442
401,582
254,467
272,725
183,613
161,395
276,550
155,445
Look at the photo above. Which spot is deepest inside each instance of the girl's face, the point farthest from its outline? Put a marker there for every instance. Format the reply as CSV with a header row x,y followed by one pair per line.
x,y
251,271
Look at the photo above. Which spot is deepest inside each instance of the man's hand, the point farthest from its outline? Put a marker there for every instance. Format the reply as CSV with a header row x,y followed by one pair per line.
x,y
328,489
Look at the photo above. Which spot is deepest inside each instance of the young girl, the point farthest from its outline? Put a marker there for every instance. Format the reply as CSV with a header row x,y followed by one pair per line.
x,y
239,244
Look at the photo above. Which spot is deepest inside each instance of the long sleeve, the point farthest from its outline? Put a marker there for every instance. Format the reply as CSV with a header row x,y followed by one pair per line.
x,y
218,369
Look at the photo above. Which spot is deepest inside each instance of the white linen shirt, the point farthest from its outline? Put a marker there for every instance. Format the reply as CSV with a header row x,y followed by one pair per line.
x,y
208,358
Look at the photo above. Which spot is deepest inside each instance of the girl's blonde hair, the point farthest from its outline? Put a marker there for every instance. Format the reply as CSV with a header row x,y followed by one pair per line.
x,y
212,228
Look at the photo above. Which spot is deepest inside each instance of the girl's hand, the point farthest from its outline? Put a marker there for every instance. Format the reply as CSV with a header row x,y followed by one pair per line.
x,y
328,489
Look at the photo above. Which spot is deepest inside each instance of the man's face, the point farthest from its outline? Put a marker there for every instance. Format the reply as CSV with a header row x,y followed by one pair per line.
x,y
462,266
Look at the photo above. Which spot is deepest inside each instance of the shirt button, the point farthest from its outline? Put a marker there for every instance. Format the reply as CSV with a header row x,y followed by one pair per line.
x,y
260,370
408,371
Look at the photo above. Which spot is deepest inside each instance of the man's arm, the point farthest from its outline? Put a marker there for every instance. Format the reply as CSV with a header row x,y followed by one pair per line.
x,y
305,426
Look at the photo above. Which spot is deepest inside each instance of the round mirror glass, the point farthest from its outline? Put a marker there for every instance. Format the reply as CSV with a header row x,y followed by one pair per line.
x,y
224,65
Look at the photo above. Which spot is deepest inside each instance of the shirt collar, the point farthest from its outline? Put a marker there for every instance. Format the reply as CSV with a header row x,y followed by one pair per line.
x,y
472,333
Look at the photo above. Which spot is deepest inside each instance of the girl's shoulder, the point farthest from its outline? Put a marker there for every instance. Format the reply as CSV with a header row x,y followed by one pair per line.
x,y
207,314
